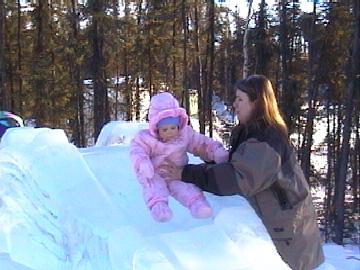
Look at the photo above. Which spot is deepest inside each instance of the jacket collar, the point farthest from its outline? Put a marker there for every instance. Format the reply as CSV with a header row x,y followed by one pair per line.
x,y
241,133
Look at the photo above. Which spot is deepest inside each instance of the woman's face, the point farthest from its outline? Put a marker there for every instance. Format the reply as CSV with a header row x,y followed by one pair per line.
x,y
243,107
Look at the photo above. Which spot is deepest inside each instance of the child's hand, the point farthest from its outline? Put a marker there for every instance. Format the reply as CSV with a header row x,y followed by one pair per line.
x,y
221,155
202,152
146,169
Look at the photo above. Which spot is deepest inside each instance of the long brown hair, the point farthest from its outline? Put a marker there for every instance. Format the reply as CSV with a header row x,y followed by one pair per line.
x,y
260,90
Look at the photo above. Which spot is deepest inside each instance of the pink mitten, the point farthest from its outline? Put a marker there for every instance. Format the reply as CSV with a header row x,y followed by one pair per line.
x,y
146,169
221,155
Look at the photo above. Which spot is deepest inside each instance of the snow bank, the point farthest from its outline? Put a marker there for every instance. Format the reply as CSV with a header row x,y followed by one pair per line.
x,y
118,132
82,209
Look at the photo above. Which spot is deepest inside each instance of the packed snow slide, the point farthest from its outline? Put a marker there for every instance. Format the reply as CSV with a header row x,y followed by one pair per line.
x,y
46,220
67,208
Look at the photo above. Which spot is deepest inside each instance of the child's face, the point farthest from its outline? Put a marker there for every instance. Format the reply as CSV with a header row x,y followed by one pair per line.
x,y
168,132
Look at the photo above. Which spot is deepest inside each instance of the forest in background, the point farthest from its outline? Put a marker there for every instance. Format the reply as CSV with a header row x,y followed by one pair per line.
x,y
50,48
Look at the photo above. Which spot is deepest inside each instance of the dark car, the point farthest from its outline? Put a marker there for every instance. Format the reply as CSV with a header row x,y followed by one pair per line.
x,y
9,120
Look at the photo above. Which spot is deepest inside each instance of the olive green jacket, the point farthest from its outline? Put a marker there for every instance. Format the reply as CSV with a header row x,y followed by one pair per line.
x,y
263,169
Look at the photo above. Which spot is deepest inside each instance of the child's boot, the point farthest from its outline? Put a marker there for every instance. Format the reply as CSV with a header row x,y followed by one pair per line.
x,y
161,212
200,208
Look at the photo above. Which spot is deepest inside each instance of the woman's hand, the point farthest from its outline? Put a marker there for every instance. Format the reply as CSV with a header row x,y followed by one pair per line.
x,y
170,171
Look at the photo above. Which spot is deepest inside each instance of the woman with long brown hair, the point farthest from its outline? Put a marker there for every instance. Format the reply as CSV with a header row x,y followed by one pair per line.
x,y
262,167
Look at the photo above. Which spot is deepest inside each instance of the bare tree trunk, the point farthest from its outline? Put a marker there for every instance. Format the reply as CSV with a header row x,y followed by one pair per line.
x,y
150,27
10,89
137,100
355,164
19,57
329,173
53,119
205,88
185,91
98,67
139,66
227,81
337,148
198,71
211,68
312,89
79,127
40,65
174,45
332,155
285,94
261,41
128,89
2,53
52,91
345,146
4,95
150,59
246,66
117,88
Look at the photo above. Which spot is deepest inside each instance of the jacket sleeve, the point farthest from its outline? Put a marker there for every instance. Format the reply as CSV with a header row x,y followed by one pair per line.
x,y
254,167
205,147
257,166
219,179
140,157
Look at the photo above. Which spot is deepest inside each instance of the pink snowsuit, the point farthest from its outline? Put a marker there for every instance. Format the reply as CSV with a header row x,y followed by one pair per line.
x,y
147,153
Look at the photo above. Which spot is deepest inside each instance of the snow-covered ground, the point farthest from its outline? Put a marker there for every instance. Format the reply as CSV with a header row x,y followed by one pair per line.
x,y
81,209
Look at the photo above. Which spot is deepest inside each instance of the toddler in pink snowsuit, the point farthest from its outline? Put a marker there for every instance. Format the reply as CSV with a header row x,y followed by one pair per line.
x,y
169,137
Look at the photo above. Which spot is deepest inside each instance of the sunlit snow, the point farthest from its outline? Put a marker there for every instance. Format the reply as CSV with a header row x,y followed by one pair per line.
x,y
62,207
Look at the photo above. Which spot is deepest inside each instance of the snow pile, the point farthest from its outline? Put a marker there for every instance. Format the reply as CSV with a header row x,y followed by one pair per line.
x,y
81,209
41,211
118,132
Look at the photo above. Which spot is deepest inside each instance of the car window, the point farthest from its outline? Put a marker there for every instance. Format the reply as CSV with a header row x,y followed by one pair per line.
x,y
9,122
